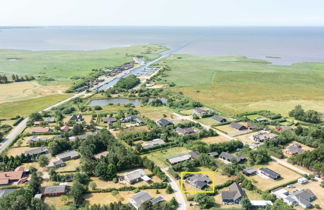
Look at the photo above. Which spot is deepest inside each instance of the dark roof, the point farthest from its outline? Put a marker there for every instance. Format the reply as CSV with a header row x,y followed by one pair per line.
x,y
36,151
109,120
76,118
270,173
234,193
55,189
219,118
228,157
164,122
237,126
198,180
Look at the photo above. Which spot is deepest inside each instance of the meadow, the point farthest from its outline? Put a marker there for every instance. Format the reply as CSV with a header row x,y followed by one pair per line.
x,y
62,65
238,84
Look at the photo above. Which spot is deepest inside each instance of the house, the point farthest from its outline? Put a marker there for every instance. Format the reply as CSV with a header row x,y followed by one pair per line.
x,y
294,149
157,200
252,126
76,118
198,180
185,131
70,155
201,112
260,203
233,195
52,191
260,119
4,192
163,122
179,159
133,119
283,128
37,151
81,137
56,163
269,173
213,154
136,176
262,136
139,198
109,120
302,180
40,130
65,128
228,158
219,118
8,177
238,126
249,171
101,154
33,139
49,120
280,193
153,143
303,197
193,154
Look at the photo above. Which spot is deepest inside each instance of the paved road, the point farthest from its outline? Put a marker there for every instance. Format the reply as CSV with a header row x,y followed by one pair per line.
x,y
290,166
13,134
179,196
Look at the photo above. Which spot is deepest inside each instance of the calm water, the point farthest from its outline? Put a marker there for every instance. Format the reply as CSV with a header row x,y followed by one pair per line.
x,y
123,101
291,44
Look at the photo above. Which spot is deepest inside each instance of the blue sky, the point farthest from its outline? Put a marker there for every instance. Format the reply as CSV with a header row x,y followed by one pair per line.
x,y
163,12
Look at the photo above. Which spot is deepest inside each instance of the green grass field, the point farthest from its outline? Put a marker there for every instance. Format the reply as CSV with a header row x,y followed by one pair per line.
x,y
238,84
62,65
26,107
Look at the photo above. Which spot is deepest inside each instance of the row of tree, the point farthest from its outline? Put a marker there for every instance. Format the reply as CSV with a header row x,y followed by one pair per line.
x,y
308,116
15,78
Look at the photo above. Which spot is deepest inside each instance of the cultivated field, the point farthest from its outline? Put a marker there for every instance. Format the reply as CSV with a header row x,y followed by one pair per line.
x,y
26,90
26,107
237,84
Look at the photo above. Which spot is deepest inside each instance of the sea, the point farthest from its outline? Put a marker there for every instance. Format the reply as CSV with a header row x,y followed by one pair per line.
x,y
278,45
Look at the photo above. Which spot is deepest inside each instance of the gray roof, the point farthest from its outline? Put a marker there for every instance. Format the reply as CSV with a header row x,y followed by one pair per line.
x,y
72,154
219,118
249,171
49,119
179,158
55,189
270,173
295,149
157,200
109,120
198,180
201,111
237,126
76,118
153,143
260,119
229,157
36,139
213,154
185,131
305,194
36,151
164,122
134,175
140,198
234,193
81,137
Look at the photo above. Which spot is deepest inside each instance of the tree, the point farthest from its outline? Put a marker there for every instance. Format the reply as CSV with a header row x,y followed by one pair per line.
x,y
205,201
245,202
76,192
93,185
169,189
42,160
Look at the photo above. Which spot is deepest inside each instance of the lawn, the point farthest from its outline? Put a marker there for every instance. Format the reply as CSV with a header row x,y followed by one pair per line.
x,y
62,65
15,151
59,202
123,196
26,107
159,157
155,113
263,183
215,139
71,165
237,84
